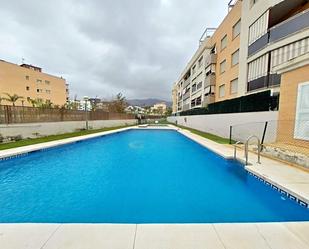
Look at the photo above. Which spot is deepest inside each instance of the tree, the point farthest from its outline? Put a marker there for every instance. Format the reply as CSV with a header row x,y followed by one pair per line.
x,y
119,104
33,102
12,98
40,103
169,111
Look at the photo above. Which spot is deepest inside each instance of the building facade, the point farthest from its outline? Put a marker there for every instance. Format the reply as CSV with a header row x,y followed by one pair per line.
x,y
243,54
212,73
31,83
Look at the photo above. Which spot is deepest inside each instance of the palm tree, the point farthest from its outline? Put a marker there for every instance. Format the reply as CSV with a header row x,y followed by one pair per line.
x,y
33,102
12,98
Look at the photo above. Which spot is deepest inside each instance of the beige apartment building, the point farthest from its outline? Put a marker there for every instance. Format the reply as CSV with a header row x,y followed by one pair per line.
x,y
31,83
212,73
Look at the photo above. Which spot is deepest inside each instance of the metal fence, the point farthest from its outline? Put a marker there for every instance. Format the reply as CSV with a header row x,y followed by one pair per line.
x,y
282,139
19,114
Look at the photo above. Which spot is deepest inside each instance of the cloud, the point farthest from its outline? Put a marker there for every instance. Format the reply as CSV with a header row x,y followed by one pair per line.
x,y
103,47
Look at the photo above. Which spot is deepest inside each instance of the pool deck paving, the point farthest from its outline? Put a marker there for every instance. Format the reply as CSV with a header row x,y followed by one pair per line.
x,y
158,236
291,235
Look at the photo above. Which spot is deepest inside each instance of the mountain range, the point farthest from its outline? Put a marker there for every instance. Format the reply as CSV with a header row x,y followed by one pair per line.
x,y
147,102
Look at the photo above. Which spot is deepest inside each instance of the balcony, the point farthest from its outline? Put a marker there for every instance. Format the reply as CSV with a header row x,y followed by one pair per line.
x,y
267,81
283,29
259,44
210,59
209,99
210,80
186,107
186,95
186,82
289,27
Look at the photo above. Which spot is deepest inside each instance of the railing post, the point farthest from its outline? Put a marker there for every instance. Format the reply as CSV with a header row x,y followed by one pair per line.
x,y
231,131
264,133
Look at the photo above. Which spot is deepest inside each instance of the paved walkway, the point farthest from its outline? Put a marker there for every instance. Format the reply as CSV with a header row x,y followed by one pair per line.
x,y
203,236
160,236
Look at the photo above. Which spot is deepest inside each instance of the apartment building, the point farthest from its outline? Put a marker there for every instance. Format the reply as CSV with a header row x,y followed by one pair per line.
x,y
244,54
275,50
212,73
31,83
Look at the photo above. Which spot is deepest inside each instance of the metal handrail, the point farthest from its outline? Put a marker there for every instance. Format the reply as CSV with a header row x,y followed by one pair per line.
x,y
247,149
235,148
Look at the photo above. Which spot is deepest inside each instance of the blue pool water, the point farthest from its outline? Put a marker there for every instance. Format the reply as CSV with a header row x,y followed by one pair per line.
x,y
137,176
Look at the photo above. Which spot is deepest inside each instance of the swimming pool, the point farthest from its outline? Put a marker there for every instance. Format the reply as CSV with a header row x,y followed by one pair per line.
x,y
136,176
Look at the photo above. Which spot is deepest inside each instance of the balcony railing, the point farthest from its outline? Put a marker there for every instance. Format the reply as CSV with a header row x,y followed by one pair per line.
x,y
209,99
266,81
288,27
210,80
210,59
186,107
186,95
187,82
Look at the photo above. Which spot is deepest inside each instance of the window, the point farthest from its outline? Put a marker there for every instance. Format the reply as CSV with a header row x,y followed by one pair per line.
x,y
27,88
236,29
235,57
199,100
258,68
224,42
222,91
199,86
193,69
39,90
200,62
39,81
48,91
193,88
27,77
234,86
47,82
258,28
302,113
222,66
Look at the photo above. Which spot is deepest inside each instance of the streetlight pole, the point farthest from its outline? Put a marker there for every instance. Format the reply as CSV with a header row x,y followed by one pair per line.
x,y
86,111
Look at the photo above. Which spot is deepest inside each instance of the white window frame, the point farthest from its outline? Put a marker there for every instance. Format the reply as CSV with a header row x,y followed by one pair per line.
x,y
299,130
233,58
223,66
222,87
231,88
223,43
236,27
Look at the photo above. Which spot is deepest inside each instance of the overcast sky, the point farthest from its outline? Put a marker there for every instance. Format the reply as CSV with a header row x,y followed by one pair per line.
x,y
102,47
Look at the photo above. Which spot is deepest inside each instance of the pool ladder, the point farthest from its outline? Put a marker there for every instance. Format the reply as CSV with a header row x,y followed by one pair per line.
x,y
247,148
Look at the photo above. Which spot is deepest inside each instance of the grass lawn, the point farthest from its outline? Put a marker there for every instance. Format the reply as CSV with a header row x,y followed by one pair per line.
x,y
53,138
209,136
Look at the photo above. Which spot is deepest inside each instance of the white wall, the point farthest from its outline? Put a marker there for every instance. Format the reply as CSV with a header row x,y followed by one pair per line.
x,y
244,124
52,128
